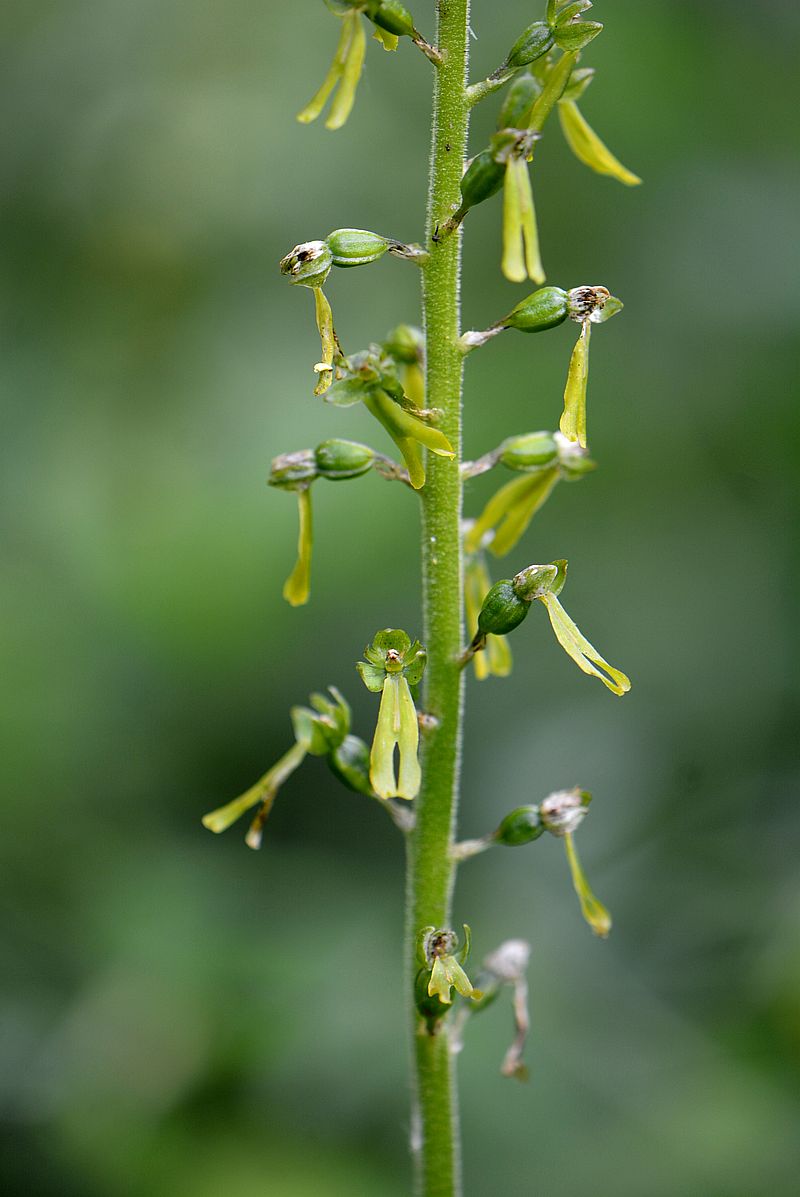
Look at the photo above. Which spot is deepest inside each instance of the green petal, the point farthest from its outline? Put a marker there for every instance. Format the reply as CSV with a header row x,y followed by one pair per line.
x,y
573,418
593,911
387,730
344,99
264,789
371,675
317,103
297,586
587,146
391,640
409,775
585,655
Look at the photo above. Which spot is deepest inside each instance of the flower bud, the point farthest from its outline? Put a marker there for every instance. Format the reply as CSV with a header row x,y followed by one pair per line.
x,y
339,459
482,179
545,308
521,826
502,610
535,581
575,35
529,452
393,17
308,264
519,100
292,469
356,247
535,41
562,812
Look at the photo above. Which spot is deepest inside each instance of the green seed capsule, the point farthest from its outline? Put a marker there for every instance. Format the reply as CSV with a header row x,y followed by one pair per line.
x,y
308,264
350,763
528,452
338,459
502,610
356,247
521,826
393,17
543,309
291,470
535,41
520,98
482,179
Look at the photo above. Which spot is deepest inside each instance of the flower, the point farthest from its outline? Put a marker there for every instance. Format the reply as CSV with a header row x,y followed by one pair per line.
x,y
392,664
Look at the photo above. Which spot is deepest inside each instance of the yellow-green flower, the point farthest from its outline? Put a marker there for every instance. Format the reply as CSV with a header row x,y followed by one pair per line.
x,y
392,665
507,604
444,959
588,306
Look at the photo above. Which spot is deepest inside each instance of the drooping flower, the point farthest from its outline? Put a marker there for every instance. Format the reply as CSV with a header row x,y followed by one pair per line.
x,y
335,460
508,602
589,305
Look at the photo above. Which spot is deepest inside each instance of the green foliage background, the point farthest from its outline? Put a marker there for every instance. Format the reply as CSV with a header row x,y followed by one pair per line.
x,y
183,1016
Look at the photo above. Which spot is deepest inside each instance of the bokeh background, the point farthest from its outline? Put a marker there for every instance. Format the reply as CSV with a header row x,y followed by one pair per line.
x,y
184,1016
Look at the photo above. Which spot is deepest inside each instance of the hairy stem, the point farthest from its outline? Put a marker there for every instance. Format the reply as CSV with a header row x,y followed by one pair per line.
x,y
431,868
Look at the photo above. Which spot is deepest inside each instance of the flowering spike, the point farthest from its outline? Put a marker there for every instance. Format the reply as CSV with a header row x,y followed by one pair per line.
x,y
587,146
593,911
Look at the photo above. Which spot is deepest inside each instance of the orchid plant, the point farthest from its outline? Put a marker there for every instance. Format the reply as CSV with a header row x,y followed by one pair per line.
x,y
411,382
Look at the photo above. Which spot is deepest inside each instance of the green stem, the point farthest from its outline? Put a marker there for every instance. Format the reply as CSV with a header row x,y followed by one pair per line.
x,y
431,869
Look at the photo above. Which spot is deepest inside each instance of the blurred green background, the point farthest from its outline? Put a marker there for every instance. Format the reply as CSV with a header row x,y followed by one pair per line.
x,y
183,1016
